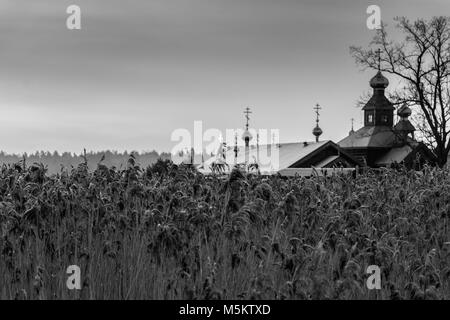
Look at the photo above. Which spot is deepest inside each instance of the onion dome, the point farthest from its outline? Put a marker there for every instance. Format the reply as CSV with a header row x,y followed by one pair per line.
x,y
379,81
317,131
404,126
404,111
247,135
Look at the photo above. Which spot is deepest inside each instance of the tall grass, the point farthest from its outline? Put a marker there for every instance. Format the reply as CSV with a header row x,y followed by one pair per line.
x,y
169,232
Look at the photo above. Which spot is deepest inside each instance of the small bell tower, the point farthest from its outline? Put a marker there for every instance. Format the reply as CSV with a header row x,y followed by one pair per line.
x,y
404,127
379,111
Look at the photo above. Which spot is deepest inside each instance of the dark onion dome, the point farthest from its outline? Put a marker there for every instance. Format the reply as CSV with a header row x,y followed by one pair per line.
x,y
317,131
378,101
247,135
404,111
379,81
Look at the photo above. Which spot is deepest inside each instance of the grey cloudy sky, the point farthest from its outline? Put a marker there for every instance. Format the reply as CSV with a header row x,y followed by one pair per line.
x,y
139,69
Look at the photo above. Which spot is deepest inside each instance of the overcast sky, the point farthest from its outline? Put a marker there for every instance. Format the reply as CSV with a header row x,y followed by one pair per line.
x,y
139,69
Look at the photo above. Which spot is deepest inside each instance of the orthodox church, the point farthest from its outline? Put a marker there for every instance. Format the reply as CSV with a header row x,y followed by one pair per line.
x,y
287,159
379,143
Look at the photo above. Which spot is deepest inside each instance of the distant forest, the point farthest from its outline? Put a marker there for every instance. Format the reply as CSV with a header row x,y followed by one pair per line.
x,y
56,161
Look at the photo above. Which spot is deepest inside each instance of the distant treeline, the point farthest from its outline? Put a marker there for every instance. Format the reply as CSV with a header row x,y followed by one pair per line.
x,y
55,161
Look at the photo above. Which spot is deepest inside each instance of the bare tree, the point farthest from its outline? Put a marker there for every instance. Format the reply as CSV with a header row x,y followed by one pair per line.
x,y
421,61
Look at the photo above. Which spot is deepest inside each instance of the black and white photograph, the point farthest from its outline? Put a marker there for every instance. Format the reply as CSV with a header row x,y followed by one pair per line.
x,y
224,155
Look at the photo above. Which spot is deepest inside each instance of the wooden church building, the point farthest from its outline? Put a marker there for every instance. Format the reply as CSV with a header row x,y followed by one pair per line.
x,y
380,142
287,159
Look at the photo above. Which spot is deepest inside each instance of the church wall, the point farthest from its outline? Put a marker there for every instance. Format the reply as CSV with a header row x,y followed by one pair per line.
x,y
369,154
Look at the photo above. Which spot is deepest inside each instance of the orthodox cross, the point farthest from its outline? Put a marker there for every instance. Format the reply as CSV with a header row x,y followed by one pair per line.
x,y
247,113
379,58
317,108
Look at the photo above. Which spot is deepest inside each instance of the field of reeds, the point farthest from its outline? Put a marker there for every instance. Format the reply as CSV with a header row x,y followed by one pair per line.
x,y
169,232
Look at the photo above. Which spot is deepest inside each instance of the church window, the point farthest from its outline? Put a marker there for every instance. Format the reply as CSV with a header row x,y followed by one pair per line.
x,y
370,118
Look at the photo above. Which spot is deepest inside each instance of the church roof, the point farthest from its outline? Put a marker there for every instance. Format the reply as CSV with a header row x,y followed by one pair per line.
x,y
395,155
399,154
369,137
326,161
278,157
405,126
288,153
378,101
285,155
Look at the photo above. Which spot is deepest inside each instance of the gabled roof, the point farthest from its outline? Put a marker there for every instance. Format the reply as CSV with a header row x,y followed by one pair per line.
x,y
288,154
326,161
369,137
